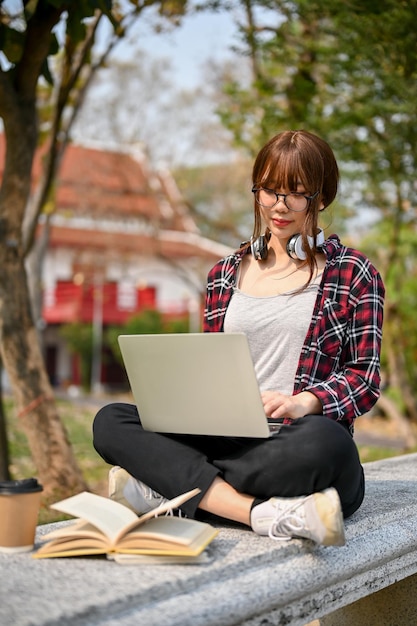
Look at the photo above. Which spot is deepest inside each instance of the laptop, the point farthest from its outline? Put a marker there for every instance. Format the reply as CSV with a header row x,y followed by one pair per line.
x,y
196,383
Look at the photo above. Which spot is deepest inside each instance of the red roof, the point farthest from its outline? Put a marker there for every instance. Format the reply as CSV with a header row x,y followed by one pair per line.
x,y
128,207
106,183
172,244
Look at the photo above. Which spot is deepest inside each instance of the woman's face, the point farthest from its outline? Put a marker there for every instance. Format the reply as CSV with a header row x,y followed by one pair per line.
x,y
282,221
295,161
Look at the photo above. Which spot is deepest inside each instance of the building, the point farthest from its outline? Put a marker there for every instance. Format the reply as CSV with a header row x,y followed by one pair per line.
x,y
120,240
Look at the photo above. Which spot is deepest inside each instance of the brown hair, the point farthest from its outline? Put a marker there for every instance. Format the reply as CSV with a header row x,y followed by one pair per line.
x,y
289,158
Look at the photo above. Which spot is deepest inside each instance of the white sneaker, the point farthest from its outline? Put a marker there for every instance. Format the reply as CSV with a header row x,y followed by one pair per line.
x,y
318,517
131,492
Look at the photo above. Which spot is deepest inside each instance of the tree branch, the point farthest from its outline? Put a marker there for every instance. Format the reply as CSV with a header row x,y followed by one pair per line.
x,y
75,61
37,43
69,75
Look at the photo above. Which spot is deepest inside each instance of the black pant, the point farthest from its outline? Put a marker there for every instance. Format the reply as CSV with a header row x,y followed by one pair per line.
x,y
310,455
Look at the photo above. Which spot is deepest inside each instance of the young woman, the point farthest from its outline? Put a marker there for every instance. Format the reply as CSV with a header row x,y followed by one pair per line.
x,y
312,311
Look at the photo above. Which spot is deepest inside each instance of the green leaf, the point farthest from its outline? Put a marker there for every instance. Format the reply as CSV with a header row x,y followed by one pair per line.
x,y
58,4
46,73
173,8
105,5
54,45
12,44
30,8
75,27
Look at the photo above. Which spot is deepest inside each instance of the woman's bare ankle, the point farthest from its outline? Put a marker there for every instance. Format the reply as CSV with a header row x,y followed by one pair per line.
x,y
223,500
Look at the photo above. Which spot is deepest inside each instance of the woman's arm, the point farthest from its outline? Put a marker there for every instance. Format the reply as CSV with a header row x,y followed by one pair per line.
x,y
351,386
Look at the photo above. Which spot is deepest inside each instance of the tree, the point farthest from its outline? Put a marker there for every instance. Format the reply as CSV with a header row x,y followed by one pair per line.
x,y
289,49
79,339
29,39
378,129
4,447
219,196
147,322
282,40
173,125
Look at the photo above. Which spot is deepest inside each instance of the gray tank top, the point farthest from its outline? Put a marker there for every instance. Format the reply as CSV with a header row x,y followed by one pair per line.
x,y
276,327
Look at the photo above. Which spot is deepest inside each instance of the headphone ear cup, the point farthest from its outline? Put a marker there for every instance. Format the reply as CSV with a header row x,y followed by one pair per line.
x,y
259,248
295,248
320,238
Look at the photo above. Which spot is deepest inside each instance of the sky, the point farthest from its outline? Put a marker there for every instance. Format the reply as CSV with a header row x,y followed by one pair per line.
x,y
200,37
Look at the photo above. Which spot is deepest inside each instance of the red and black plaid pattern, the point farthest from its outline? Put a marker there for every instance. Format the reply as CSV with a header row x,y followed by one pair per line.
x,y
340,359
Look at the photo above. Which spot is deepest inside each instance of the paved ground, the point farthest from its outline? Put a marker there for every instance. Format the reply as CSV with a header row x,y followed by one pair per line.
x,y
248,580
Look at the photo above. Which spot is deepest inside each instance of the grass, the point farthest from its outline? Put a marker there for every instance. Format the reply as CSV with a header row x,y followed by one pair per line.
x,y
374,453
78,419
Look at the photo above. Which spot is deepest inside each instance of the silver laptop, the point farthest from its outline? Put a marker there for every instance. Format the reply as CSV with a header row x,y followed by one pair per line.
x,y
197,383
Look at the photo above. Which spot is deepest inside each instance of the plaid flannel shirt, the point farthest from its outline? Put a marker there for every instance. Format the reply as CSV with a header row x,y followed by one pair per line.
x,y
340,358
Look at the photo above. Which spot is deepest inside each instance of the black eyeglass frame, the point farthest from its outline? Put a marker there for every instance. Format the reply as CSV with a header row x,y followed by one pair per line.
x,y
284,195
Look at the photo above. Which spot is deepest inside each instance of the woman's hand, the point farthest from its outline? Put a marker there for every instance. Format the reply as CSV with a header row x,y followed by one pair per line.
x,y
278,405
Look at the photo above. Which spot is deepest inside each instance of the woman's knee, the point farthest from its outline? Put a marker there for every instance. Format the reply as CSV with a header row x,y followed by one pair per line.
x,y
325,441
340,464
108,420
313,455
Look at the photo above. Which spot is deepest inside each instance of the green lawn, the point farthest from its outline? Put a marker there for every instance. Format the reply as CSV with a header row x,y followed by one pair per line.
x,y
78,420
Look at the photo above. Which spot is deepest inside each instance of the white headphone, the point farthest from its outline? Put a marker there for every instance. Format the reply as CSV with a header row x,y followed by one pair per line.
x,y
259,247
295,248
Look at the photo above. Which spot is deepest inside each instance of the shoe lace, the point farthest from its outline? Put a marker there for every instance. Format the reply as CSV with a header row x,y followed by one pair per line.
x,y
172,513
286,524
150,494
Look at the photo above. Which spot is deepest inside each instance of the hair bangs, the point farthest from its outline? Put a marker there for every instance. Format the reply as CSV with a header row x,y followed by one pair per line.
x,y
283,167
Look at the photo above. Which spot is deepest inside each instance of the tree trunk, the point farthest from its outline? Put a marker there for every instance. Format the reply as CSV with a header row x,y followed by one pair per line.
x,y
36,407
4,447
19,345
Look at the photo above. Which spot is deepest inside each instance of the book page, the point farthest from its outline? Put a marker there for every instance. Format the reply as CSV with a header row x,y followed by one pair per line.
x,y
80,528
168,535
70,547
161,559
180,531
160,510
110,517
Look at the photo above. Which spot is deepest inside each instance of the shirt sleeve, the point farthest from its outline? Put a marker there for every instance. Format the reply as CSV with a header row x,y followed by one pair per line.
x,y
209,320
352,387
219,289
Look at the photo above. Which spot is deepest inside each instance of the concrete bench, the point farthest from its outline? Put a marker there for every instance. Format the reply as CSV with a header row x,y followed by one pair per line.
x,y
251,580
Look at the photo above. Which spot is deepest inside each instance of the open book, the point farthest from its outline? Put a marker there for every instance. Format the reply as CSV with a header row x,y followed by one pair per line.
x,y
108,527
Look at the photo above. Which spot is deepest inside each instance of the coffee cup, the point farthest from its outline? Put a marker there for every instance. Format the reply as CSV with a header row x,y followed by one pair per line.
x,y
19,510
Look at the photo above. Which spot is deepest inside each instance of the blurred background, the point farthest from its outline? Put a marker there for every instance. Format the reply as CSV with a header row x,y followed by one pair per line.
x,y
149,116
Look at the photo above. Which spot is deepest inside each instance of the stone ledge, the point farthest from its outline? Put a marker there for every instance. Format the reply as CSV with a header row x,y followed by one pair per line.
x,y
250,580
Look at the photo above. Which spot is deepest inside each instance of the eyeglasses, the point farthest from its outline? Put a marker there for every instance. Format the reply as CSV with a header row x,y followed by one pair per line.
x,y
294,201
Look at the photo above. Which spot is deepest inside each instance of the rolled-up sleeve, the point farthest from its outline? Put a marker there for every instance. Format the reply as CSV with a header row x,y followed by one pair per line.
x,y
340,363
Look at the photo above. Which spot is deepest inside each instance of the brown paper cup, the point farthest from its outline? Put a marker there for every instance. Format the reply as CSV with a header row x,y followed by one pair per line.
x,y
19,510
